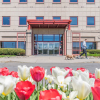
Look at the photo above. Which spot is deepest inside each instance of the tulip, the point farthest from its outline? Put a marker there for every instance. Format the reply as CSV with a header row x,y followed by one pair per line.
x,y
14,74
4,71
96,92
71,96
50,78
61,81
23,72
75,73
70,71
81,69
97,73
24,90
9,84
51,69
31,80
92,75
97,83
59,72
37,73
81,86
51,94
50,86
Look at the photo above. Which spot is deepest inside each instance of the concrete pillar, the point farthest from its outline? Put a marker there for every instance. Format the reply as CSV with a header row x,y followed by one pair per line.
x,y
28,43
98,45
68,42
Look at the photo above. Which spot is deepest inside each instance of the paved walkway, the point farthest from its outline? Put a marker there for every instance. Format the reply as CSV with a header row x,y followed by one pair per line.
x,y
47,59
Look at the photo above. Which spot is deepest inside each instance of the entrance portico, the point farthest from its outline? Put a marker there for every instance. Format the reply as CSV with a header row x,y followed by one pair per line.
x,y
48,37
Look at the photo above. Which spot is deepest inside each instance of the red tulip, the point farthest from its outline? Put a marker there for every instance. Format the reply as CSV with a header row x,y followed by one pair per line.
x,y
51,94
91,75
14,74
70,71
24,90
96,92
37,73
82,69
51,69
97,83
4,71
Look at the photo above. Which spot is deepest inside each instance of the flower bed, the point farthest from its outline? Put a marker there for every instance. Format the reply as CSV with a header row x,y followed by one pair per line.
x,y
63,84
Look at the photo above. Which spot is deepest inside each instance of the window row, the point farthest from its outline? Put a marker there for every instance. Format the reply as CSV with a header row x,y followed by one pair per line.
x,y
21,45
23,20
25,1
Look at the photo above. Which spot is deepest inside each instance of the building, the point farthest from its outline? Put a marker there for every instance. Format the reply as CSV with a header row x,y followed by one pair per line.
x,y
49,26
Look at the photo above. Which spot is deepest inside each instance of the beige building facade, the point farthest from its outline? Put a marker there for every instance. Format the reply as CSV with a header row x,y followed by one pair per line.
x,y
62,30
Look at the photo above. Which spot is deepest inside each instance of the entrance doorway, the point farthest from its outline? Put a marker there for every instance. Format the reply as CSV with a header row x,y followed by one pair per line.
x,y
49,48
48,44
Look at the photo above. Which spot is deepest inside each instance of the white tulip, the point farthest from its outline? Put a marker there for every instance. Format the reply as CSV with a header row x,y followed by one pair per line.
x,y
75,73
31,80
85,77
81,86
59,72
9,84
23,72
71,96
61,81
46,76
49,78
97,73
50,86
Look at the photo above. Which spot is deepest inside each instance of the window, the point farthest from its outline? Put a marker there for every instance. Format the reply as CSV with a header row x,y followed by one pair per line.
x,y
90,20
6,21
8,1
56,0
39,18
57,18
91,1
73,0
48,37
22,0
74,21
39,0
23,20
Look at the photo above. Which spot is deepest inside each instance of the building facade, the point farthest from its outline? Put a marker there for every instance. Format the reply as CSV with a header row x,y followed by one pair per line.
x,y
49,26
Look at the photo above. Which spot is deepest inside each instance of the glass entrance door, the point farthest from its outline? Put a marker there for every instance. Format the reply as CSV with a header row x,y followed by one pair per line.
x,y
49,48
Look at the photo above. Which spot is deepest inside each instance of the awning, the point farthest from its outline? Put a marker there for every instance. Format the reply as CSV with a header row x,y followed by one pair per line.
x,y
48,23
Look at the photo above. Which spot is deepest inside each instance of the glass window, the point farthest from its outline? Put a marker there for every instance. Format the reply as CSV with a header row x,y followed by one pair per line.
x,y
22,20
56,37
40,18
22,45
56,0
6,0
56,18
39,37
74,21
48,37
90,21
39,0
6,20
23,0
35,37
61,37
90,0
8,44
73,0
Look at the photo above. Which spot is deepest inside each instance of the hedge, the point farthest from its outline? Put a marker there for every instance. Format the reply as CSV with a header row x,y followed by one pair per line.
x,y
12,51
93,51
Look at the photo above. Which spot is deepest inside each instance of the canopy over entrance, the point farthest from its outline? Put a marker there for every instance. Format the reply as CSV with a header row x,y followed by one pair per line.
x,y
48,23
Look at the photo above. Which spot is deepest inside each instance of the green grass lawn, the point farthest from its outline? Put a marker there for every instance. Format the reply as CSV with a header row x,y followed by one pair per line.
x,y
94,55
7,56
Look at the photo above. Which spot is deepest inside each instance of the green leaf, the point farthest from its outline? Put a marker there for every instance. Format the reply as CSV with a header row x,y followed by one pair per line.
x,y
1,98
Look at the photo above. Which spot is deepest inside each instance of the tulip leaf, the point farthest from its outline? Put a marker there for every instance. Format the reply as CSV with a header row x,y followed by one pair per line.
x,y
1,98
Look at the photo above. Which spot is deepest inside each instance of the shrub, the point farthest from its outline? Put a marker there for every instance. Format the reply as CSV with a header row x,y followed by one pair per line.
x,y
12,51
93,51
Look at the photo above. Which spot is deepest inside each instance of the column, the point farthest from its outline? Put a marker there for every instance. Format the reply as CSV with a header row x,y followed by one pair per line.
x,y
98,45
68,42
28,43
